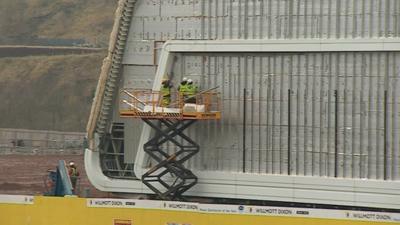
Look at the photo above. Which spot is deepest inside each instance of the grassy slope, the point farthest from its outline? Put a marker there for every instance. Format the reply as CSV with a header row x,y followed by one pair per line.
x,y
68,19
52,92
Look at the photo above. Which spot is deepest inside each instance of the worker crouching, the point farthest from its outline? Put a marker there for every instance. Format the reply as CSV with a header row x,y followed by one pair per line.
x,y
188,90
191,91
182,89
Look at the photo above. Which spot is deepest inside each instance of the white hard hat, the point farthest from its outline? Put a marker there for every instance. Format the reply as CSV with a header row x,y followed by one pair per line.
x,y
190,81
71,163
185,79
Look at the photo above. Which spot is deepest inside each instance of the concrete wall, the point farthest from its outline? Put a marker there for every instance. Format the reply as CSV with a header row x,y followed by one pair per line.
x,y
16,141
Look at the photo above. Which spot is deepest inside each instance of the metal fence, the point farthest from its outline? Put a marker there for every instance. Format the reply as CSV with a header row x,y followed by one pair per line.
x,y
16,141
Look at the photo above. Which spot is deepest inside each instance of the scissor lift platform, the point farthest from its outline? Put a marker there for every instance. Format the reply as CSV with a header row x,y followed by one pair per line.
x,y
179,116
149,105
169,178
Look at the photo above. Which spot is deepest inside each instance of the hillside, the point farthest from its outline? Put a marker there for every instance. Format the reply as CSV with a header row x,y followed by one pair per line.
x,y
48,92
56,22
52,92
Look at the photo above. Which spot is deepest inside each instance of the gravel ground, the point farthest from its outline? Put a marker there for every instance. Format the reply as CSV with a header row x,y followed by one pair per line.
x,y
24,174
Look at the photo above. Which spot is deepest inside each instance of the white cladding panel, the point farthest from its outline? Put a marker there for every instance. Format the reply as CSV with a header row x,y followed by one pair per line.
x,y
271,19
309,80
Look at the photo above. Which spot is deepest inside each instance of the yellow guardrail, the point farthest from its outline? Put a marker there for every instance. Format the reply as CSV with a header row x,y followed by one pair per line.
x,y
140,103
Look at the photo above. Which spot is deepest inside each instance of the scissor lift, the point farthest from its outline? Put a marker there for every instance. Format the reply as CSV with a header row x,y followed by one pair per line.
x,y
169,178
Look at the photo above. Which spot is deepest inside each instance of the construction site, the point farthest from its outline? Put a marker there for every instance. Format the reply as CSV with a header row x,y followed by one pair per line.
x,y
213,112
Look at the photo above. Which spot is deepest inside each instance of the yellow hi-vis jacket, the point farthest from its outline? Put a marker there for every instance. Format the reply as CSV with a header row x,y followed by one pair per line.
x,y
166,95
191,90
183,89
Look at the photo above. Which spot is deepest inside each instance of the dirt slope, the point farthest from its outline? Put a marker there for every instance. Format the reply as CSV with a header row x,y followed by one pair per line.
x,y
26,21
51,92
48,92
27,173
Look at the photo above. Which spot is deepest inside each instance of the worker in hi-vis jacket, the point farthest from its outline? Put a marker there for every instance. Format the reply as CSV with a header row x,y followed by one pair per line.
x,y
166,93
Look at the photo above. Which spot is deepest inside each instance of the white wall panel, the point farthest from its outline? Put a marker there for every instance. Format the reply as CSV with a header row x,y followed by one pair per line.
x,y
360,79
313,78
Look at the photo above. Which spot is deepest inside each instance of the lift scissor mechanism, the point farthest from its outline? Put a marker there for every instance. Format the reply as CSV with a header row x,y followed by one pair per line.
x,y
169,178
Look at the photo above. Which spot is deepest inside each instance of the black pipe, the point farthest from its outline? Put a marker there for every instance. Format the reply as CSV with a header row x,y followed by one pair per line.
x,y
385,159
289,132
336,132
244,129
